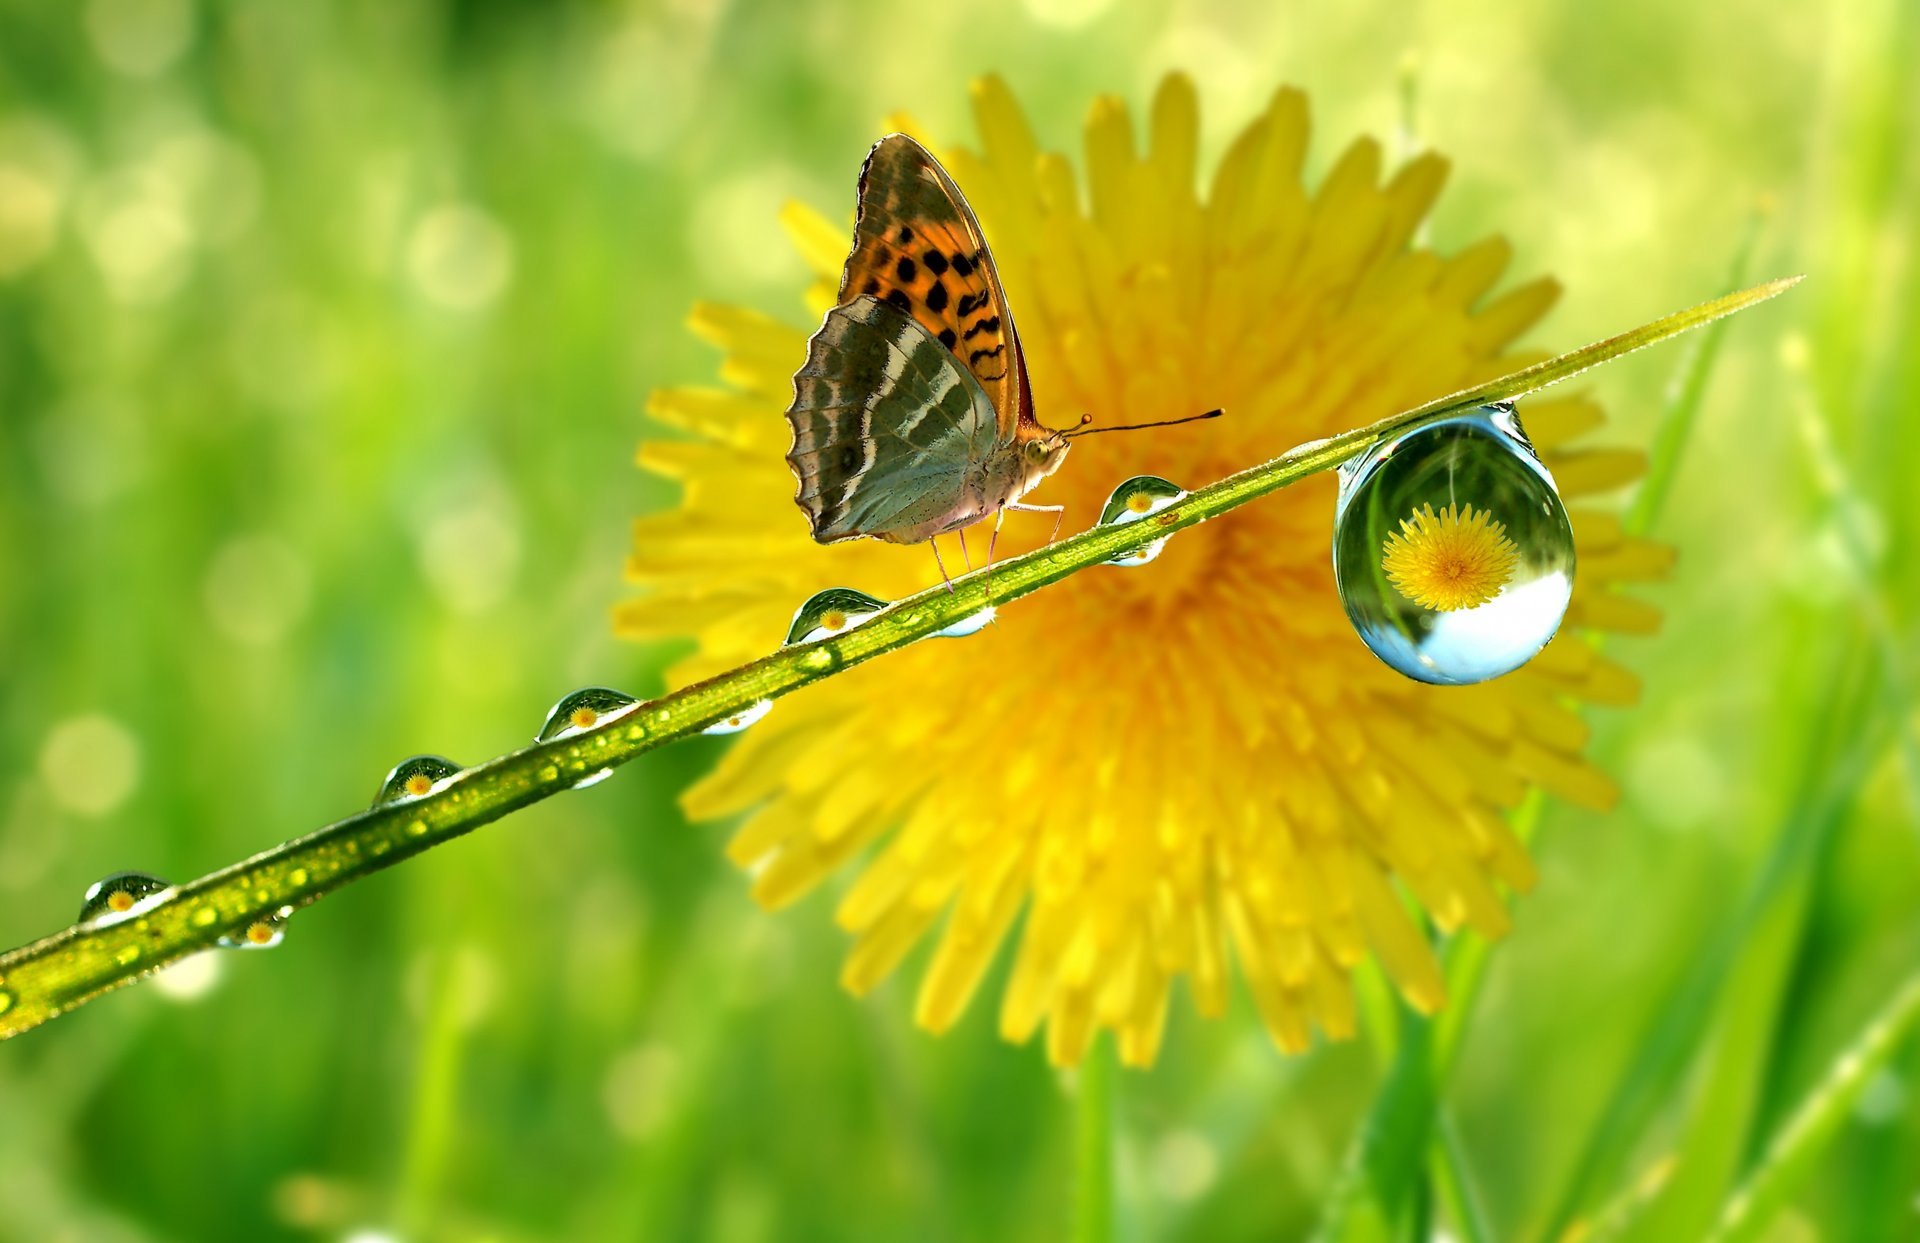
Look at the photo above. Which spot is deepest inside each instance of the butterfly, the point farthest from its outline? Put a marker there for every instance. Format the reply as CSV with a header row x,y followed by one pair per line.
x,y
913,415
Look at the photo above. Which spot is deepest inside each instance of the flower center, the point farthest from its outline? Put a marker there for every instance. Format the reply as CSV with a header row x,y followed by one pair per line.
x,y
1451,560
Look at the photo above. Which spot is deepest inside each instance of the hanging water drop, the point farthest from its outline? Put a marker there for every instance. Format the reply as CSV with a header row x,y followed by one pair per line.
x,y
1137,498
115,896
973,623
1451,549
582,710
827,613
416,777
741,719
262,934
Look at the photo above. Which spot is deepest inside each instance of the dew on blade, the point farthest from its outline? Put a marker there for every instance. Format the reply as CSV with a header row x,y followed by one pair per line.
x,y
1451,548
827,613
973,623
741,719
582,710
262,934
112,897
415,777
1133,500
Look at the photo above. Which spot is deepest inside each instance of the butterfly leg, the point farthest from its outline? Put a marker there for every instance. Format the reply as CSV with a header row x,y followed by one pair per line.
x,y
944,576
1059,513
962,533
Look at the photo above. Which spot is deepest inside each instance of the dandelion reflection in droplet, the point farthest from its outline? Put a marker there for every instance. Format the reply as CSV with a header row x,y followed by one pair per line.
x,y
1452,551
416,777
1137,498
582,710
830,612
114,897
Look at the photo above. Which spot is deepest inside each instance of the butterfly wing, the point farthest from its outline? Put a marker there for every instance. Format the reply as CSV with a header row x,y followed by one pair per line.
x,y
917,246
888,428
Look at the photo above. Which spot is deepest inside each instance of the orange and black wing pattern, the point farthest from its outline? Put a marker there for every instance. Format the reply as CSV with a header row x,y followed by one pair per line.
x,y
917,246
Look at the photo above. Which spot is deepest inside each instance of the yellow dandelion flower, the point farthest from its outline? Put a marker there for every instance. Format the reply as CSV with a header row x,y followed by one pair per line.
x,y
1449,561
1209,771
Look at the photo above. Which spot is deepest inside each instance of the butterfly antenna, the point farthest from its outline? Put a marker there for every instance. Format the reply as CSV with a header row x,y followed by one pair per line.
x,y
1084,430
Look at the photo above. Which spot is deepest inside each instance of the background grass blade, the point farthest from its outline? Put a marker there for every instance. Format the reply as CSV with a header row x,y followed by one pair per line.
x,y
1733,984
1806,1135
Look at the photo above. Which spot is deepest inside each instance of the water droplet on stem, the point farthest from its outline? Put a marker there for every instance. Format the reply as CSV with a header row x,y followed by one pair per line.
x,y
830,612
741,719
416,777
1137,498
973,623
262,934
114,897
582,710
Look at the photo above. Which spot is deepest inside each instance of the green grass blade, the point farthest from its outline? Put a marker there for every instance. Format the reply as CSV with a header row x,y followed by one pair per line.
x,y
1685,395
1805,1136
1844,743
1093,1146
1375,1193
59,972
1453,1182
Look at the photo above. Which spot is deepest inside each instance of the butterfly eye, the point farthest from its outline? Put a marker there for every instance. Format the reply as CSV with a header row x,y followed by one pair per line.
x,y
1037,450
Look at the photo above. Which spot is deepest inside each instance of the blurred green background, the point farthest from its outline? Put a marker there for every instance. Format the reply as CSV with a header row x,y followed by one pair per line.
x,y
325,330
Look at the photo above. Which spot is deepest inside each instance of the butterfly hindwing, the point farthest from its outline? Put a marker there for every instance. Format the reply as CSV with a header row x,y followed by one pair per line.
x,y
918,247
887,427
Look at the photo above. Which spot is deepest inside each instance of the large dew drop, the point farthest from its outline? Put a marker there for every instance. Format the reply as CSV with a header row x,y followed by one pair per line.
x,y
583,710
416,777
1452,551
1137,498
827,613
114,896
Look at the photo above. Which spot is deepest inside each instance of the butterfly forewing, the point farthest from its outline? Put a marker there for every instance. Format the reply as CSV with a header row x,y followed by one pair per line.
x,y
887,428
918,247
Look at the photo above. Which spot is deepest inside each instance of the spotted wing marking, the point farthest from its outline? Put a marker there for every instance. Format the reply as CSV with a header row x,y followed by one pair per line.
x,y
918,246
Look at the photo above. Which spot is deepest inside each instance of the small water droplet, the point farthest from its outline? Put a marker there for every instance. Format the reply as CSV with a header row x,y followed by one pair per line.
x,y
113,898
1137,498
262,934
741,719
1452,551
830,612
972,624
206,917
593,778
550,772
6,1001
416,777
127,955
583,710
